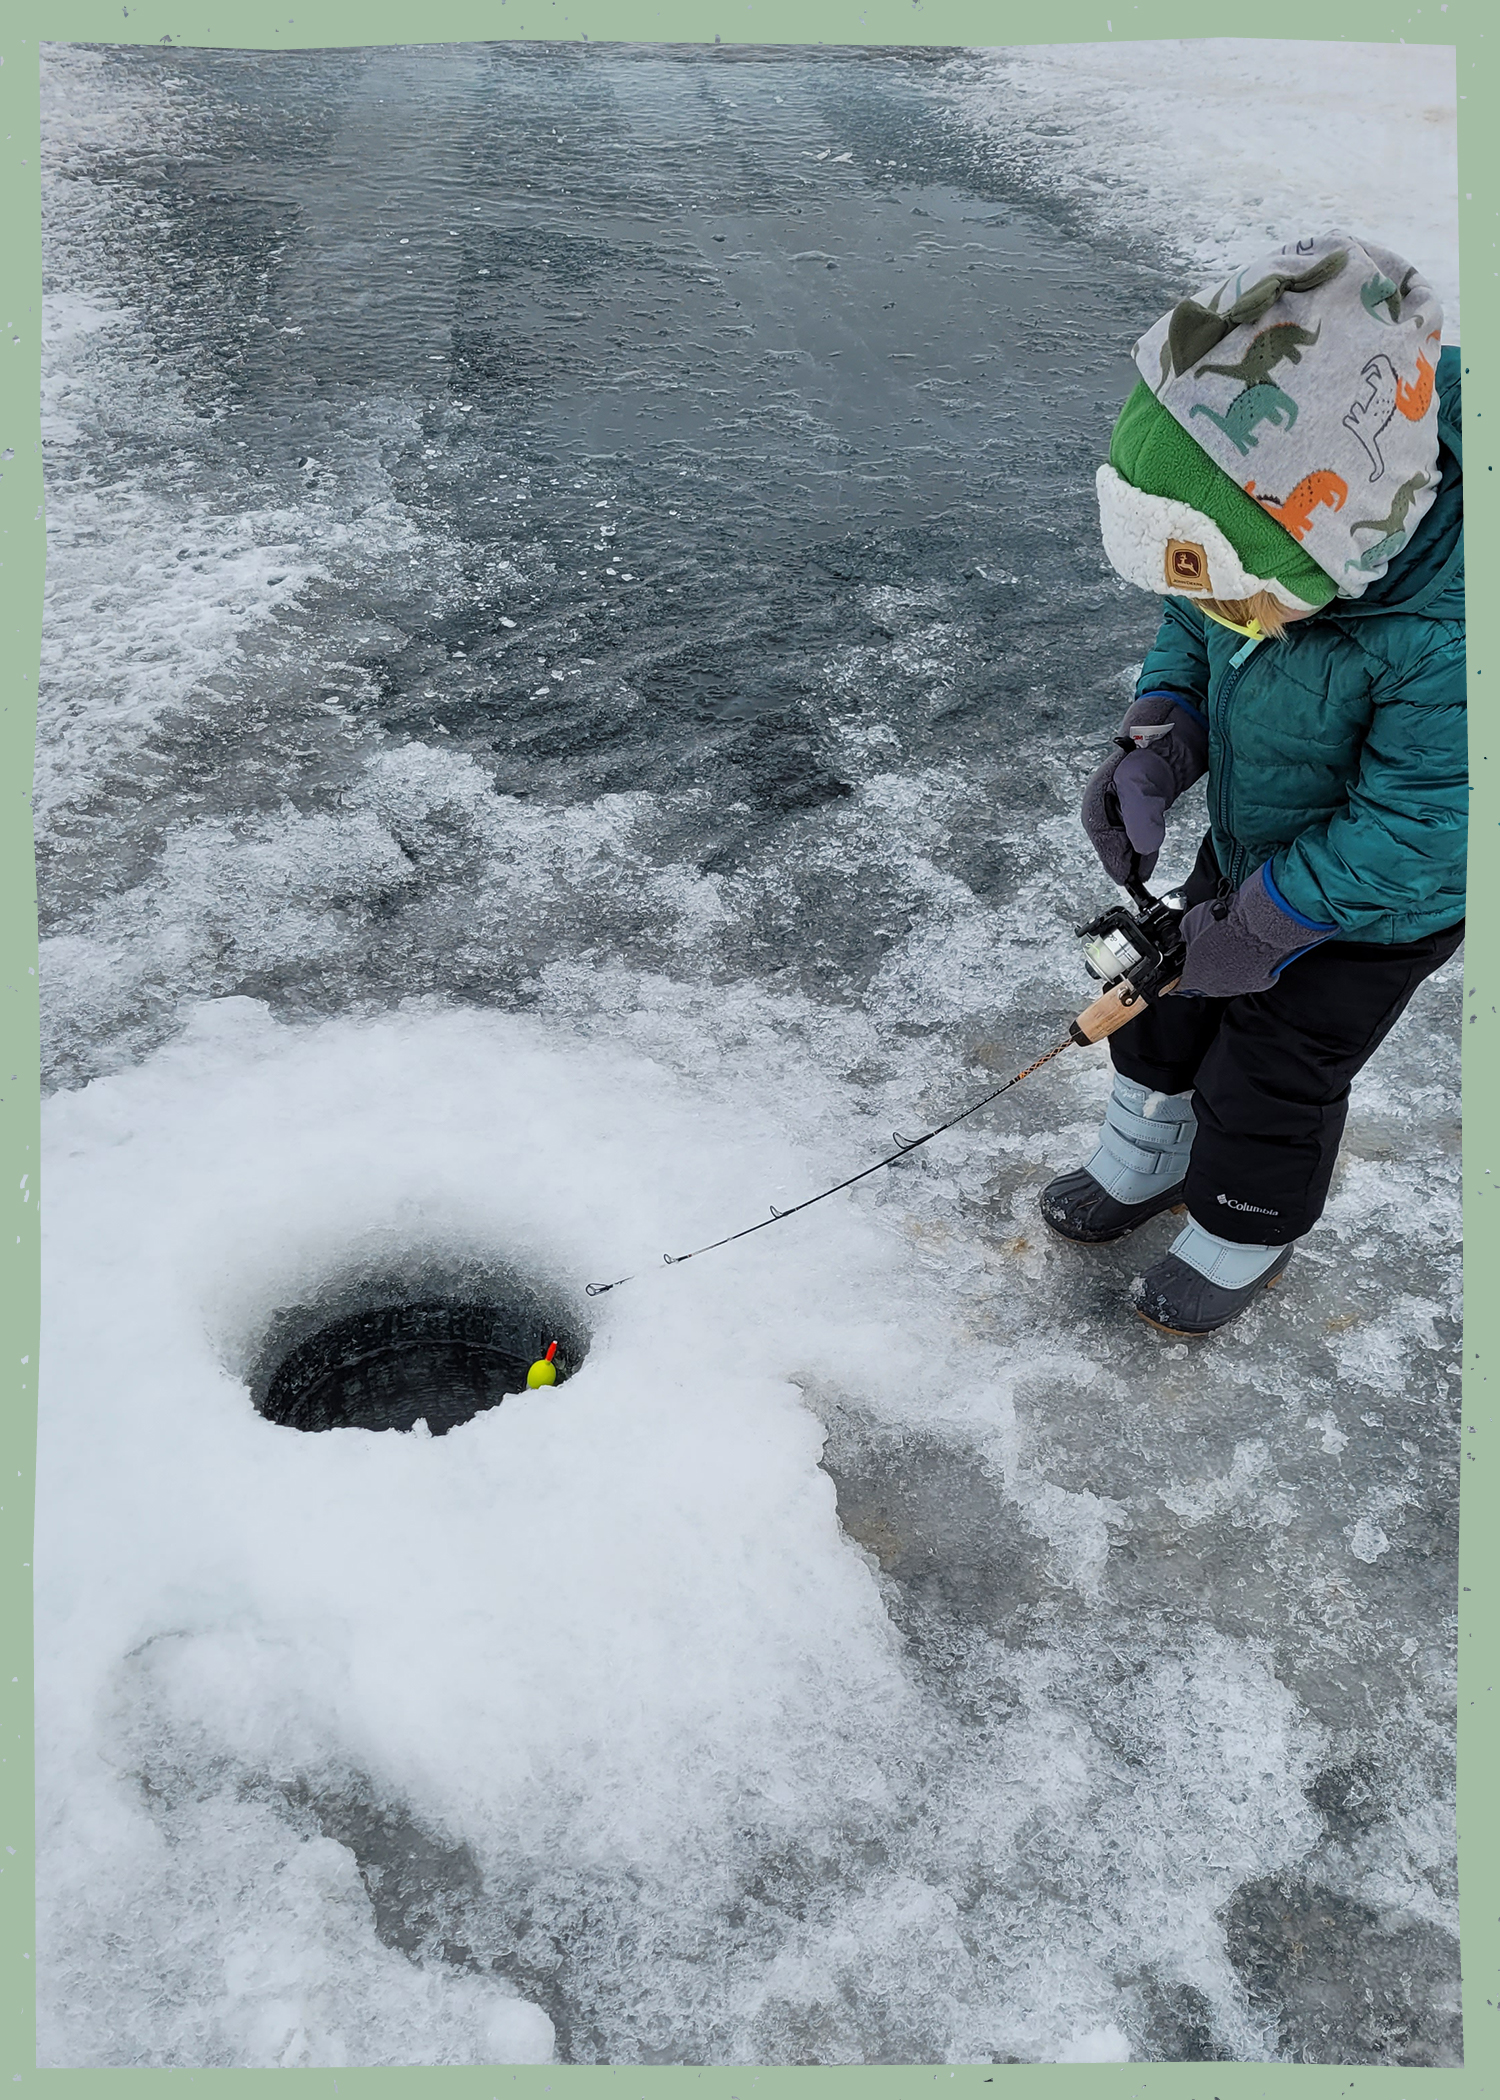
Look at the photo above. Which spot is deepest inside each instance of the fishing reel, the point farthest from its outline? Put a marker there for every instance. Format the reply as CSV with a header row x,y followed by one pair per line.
x,y
1133,953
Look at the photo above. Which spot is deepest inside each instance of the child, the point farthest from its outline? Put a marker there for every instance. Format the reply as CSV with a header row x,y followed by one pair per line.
x,y
1288,474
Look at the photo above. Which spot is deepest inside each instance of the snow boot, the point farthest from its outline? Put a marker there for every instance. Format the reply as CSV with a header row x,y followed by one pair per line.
x,y
1136,1170
1203,1282
1078,1209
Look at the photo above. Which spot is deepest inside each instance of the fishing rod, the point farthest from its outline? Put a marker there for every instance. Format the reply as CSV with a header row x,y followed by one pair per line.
x,y
1132,953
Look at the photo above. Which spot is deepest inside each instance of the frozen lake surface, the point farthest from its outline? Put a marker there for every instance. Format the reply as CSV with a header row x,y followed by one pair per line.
x,y
575,630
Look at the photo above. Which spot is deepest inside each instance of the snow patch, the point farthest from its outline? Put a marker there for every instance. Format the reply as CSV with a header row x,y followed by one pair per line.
x,y
1224,145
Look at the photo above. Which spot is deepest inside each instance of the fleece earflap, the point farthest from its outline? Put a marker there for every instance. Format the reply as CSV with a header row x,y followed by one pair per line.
x,y
1173,521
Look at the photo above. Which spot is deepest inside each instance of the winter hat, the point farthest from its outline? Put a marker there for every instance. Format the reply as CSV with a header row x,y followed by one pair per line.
x,y
1283,436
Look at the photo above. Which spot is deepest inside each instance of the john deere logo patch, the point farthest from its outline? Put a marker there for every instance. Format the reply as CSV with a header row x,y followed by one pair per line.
x,y
1186,566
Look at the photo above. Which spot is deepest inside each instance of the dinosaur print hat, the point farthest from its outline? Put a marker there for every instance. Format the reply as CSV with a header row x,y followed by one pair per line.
x,y
1283,435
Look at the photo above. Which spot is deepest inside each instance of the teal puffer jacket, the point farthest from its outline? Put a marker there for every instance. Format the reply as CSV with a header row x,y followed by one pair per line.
x,y
1339,753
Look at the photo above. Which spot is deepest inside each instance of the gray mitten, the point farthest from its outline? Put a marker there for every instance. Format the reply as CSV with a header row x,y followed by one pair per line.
x,y
1162,750
1242,944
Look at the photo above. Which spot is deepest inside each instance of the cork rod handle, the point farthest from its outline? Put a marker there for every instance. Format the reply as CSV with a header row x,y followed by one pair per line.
x,y
1108,1012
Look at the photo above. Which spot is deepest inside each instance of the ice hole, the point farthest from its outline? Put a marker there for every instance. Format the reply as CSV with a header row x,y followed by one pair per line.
x,y
392,1352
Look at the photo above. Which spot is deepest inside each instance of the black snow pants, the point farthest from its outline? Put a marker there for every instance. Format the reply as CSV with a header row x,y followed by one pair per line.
x,y
1270,1072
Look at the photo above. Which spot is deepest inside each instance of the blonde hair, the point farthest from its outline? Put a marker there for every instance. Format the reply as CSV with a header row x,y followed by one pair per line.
x,y
1270,615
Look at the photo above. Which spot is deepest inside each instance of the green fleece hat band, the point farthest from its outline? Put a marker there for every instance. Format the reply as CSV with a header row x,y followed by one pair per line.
x,y
1154,457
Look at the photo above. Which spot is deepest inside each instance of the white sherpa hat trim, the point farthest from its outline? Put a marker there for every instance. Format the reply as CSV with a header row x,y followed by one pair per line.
x,y
1138,529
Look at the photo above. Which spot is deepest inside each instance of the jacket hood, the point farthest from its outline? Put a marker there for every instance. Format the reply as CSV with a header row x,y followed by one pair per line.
x,y
1427,576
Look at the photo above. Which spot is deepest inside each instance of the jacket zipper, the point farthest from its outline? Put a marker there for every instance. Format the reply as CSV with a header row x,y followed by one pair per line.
x,y
1220,702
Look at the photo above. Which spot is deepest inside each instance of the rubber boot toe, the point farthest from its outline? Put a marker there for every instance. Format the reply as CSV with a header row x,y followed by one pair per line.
x,y
1180,1299
1078,1208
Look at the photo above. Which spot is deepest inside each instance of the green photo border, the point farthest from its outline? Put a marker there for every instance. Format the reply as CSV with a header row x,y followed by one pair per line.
x,y
310,24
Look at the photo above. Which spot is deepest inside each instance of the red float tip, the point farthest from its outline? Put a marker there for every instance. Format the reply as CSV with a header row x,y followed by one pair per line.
x,y
551,1352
